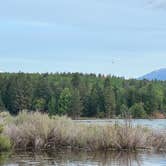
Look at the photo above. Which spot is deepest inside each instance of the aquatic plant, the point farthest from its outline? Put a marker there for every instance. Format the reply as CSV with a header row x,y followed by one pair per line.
x,y
36,131
4,141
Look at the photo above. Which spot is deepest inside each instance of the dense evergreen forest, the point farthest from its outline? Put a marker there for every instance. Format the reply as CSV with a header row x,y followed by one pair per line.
x,y
81,95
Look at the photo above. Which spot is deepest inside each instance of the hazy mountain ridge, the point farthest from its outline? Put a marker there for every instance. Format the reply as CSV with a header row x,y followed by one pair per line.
x,y
155,75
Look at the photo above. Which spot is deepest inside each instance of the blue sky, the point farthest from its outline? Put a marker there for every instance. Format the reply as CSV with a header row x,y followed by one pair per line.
x,y
124,38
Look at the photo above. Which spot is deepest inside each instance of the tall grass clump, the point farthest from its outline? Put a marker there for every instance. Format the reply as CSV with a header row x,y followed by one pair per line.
x,y
29,130
36,131
5,144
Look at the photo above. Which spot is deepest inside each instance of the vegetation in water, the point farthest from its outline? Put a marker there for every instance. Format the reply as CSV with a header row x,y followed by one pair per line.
x,y
38,131
5,144
82,95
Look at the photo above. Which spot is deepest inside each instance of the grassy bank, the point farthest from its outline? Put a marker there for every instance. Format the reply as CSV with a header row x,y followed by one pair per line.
x,y
38,131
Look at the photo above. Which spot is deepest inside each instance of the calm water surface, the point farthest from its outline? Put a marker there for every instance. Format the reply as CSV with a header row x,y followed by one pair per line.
x,y
155,124
68,158
83,159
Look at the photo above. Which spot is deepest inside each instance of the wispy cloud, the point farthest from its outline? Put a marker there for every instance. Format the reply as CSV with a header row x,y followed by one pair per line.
x,y
105,36
160,4
28,23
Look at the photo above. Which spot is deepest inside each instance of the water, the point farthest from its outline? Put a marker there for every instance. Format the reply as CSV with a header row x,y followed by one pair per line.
x,y
155,123
66,158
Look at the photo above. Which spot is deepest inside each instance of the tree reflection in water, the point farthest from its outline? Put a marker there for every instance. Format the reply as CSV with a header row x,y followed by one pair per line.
x,y
76,158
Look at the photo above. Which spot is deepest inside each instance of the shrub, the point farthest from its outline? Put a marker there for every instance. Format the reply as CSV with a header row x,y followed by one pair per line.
x,y
137,111
4,141
39,131
29,129
5,144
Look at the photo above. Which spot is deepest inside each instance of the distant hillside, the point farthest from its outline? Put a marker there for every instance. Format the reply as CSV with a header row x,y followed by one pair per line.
x,y
155,75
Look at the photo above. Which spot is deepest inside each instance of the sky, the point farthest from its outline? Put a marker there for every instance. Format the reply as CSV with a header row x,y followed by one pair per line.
x,y
117,37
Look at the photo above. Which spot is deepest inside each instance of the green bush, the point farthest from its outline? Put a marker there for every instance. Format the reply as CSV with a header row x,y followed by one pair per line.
x,y
137,111
5,144
4,141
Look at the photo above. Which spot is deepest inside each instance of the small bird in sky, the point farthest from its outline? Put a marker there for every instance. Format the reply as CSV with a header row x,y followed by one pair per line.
x,y
114,60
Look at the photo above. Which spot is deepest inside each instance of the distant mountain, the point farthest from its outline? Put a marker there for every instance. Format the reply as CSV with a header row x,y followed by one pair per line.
x,y
156,75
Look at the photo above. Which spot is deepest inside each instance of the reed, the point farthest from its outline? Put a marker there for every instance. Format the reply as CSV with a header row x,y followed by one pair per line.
x,y
38,131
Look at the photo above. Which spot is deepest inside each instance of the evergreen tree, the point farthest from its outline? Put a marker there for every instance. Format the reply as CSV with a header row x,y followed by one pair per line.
x,y
76,105
95,103
77,94
124,111
137,111
19,94
2,106
109,99
39,104
75,80
151,100
64,102
52,106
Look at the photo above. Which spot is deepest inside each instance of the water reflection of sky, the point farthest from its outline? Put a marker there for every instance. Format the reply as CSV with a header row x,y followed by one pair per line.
x,y
155,123
67,158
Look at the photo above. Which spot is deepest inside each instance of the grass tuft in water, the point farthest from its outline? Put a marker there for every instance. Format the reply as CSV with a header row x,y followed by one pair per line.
x,y
39,131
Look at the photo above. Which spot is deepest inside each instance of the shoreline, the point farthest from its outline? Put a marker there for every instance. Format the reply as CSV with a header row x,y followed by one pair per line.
x,y
38,131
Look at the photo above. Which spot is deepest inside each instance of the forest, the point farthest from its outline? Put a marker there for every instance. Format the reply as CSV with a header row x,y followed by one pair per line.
x,y
82,95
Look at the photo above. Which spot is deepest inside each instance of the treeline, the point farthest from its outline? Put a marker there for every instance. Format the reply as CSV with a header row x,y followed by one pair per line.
x,y
81,95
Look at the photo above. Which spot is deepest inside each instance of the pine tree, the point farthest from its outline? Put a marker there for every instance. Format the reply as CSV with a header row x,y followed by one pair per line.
x,y
109,99
64,102
2,106
124,110
52,106
76,105
75,80
137,111
95,102
19,93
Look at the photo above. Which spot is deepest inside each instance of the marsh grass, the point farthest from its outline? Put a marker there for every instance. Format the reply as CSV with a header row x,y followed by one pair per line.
x,y
5,143
38,131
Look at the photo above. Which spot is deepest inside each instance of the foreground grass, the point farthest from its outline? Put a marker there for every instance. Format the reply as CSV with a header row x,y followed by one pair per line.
x,y
38,131
5,143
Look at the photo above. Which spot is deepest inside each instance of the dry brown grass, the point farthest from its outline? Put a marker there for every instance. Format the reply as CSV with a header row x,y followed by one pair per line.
x,y
39,131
